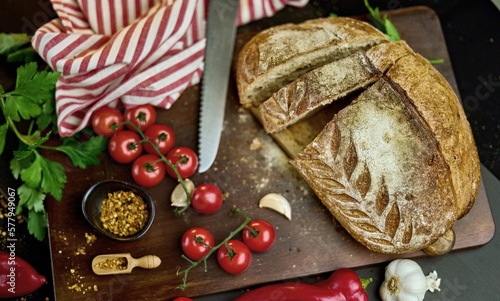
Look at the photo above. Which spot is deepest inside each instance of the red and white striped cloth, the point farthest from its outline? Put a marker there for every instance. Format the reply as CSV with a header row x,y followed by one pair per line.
x,y
128,52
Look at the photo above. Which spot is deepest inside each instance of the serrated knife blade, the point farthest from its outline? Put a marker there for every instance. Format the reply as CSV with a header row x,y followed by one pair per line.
x,y
221,32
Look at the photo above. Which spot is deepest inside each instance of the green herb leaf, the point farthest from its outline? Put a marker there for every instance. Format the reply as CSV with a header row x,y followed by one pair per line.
x,y
17,107
391,30
375,16
383,23
32,175
18,164
3,135
47,117
37,224
47,174
12,42
30,198
83,154
23,154
53,179
436,61
37,86
23,55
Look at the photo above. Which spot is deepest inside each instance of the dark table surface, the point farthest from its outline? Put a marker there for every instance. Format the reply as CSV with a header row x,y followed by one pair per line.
x,y
471,30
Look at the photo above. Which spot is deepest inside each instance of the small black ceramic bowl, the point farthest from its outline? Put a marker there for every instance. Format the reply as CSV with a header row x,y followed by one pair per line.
x,y
97,193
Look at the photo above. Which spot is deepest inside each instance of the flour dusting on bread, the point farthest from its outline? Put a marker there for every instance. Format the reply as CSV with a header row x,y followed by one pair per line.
x,y
397,165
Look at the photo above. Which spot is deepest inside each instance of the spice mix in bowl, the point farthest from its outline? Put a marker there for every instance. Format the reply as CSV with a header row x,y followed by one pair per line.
x,y
119,210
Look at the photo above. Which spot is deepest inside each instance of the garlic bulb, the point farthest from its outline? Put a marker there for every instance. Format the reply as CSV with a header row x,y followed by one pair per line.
x,y
405,281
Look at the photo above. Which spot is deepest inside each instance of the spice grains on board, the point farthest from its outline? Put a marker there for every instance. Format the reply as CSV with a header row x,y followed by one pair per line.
x,y
124,213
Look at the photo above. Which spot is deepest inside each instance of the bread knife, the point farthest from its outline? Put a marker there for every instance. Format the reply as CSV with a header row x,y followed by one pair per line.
x,y
221,32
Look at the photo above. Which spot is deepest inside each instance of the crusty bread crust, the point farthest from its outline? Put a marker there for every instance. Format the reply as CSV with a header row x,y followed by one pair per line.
x,y
279,55
437,103
377,167
444,184
328,83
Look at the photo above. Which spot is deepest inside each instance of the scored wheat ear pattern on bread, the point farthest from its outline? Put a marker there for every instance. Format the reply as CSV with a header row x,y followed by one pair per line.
x,y
369,197
383,165
347,194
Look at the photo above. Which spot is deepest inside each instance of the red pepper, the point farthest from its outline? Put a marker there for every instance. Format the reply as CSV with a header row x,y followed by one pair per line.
x,y
343,285
17,277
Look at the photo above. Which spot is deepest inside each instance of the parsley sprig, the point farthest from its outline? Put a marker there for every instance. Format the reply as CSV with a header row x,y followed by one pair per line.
x,y
29,113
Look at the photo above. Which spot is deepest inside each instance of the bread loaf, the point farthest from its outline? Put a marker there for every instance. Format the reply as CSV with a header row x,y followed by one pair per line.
x,y
378,169
279,55
397,166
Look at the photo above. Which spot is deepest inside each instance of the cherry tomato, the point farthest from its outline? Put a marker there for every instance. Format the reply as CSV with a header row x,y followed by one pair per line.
x,y
103,118
142,116
197,242
124,146
206,198
161,135
183,299
185,159
259,235
234,257
148,170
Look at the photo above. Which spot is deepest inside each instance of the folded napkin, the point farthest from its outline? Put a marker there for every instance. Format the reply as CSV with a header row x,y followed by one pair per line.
x,y
128,52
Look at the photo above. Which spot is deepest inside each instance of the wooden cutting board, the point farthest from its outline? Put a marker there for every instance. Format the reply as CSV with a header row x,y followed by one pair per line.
x,y
249,165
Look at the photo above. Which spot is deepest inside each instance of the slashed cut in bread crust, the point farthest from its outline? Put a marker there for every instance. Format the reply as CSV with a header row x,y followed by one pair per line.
x,y
328,83
398,165
377,167
279,55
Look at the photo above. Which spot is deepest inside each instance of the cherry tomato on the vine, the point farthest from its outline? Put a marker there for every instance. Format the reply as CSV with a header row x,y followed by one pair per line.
x,y
124,146
103,119
234,257
185,159
196,242
206,198
142,116
162,136
259,235
148,170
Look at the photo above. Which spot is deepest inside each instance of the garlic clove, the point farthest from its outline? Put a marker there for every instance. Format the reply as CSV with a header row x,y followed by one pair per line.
x,y
178,197
278,203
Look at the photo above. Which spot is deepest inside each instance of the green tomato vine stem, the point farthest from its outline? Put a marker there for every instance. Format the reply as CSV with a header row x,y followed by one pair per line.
x,y
232,234
144,139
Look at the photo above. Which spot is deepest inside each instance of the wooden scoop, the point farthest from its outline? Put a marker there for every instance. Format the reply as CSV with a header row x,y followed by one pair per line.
x,y
122,263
